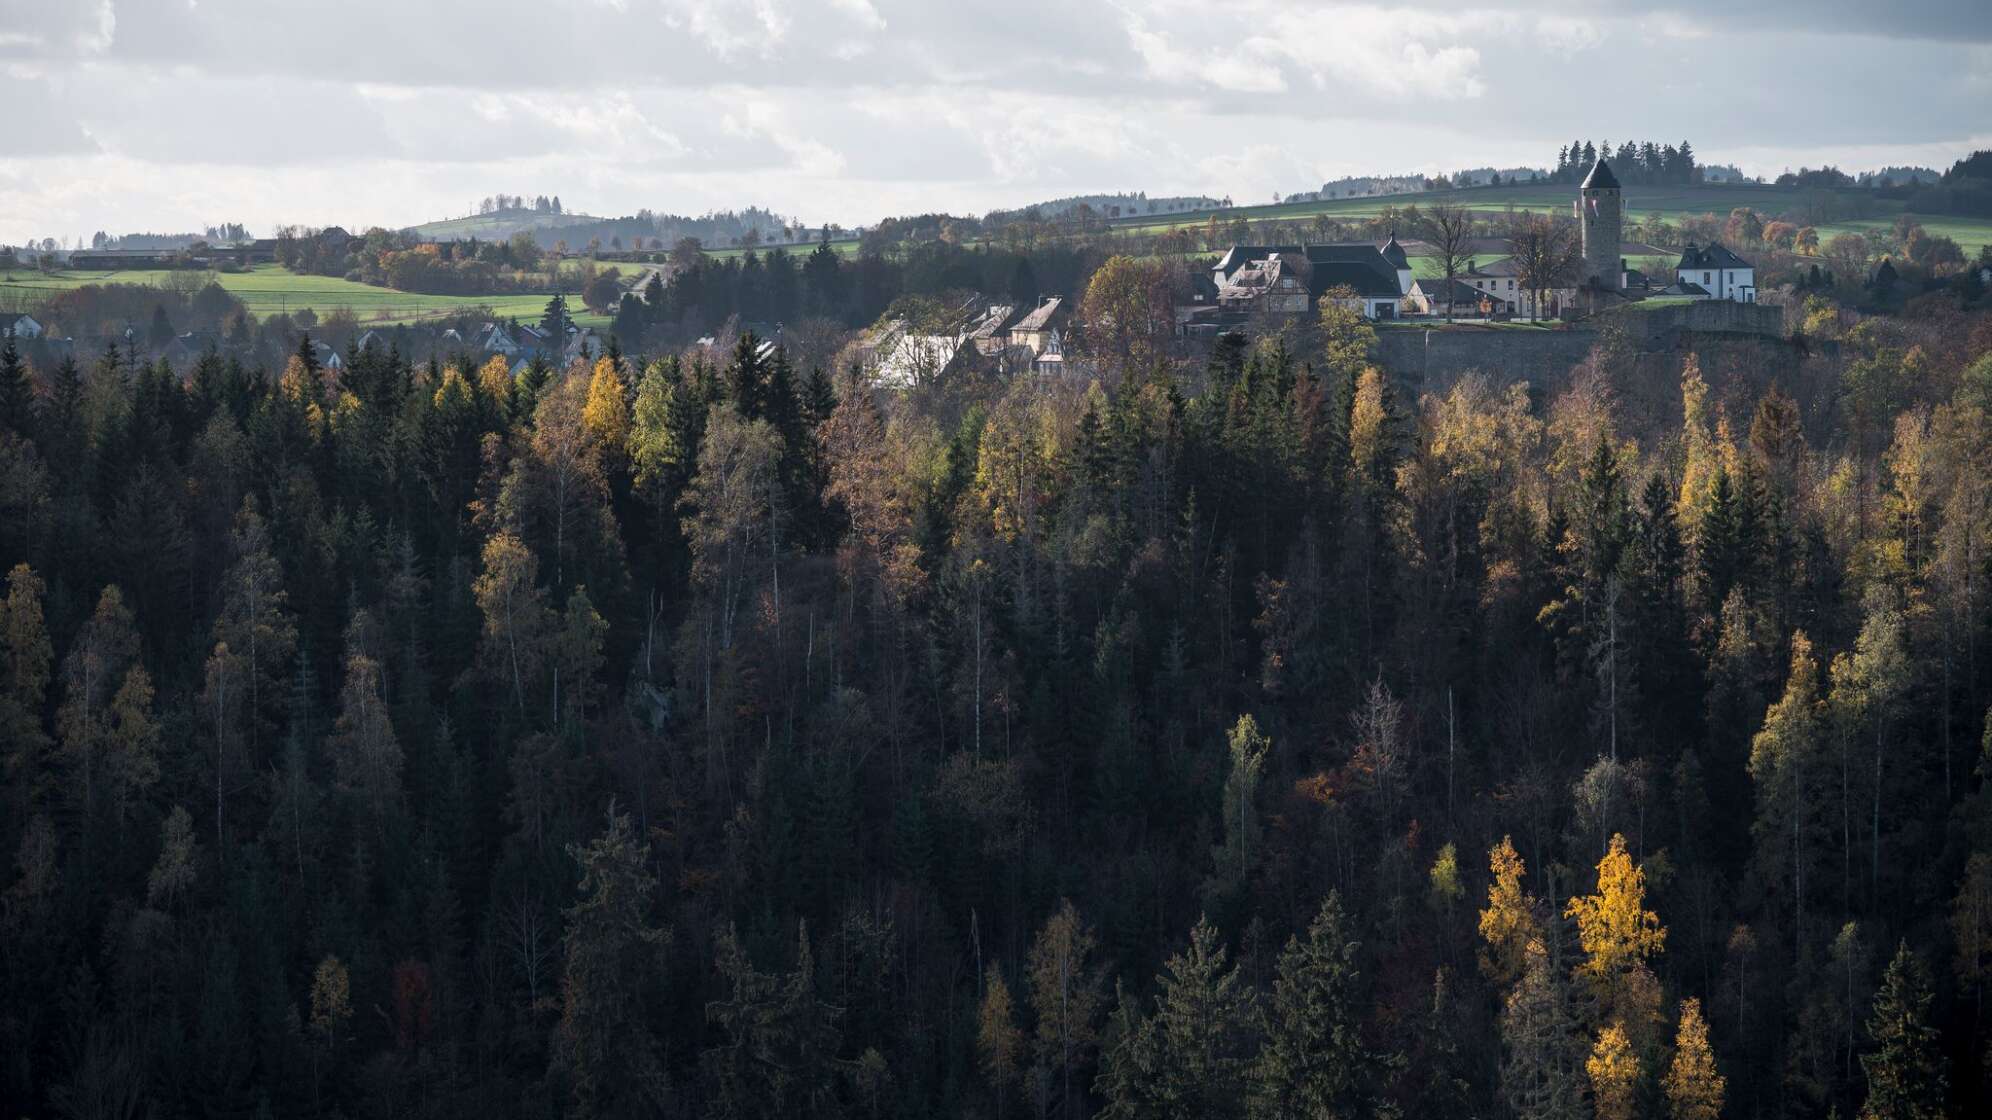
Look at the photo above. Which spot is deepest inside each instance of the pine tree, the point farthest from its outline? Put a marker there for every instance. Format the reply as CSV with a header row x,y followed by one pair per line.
x,y
1906,1073
1201,1016
16,390
555,319
604,1043
1313,1061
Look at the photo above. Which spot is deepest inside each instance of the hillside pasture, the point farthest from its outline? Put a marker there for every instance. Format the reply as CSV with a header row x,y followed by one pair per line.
x,y
1669,203
269,289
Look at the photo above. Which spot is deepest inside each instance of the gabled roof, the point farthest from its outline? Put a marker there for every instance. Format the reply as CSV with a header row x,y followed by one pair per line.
x,y
1040,318
992,321
1434,288
1601,177
1711,256
1506,266
1238,256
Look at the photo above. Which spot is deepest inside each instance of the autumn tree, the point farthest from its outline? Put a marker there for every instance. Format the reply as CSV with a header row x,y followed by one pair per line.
x,y
1064,993
1785,767
517,623
997,1037
1128,314
1241,815
1614,1073
1693,1085
1618,934
1509,924
25,657
104,653
366,757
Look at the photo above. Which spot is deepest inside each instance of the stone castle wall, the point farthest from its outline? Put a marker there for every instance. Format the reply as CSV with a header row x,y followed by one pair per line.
x,y
1432,359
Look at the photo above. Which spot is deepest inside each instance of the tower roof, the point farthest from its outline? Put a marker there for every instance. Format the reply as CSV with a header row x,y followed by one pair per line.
x,y
1394,253
1601,176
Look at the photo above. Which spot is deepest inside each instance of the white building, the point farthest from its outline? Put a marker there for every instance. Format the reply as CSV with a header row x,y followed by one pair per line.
x,y
1719,272
22,326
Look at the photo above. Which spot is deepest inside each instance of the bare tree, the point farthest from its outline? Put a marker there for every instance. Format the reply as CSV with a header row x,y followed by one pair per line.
x,y
532,942
1449,231
1545,254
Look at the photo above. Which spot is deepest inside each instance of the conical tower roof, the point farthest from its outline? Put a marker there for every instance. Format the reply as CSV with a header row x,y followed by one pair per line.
x,y
1601,176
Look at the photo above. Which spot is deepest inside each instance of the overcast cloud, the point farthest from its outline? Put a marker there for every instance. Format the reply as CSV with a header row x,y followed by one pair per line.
x,y
164,115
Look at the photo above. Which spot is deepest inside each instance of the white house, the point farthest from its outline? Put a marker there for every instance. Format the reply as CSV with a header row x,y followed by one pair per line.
x,y
1719,272
21,326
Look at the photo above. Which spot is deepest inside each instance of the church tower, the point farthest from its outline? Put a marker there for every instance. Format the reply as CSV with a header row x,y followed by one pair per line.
x,y
1601,216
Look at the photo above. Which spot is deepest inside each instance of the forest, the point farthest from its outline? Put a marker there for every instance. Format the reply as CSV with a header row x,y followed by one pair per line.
x,y
1258,735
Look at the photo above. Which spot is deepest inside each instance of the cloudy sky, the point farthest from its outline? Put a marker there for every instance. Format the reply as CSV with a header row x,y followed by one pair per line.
x,y
171,114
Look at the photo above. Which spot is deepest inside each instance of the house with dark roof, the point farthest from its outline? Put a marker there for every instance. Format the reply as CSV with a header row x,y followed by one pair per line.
x,y
1377,275
1719,272
1043,327
1430,296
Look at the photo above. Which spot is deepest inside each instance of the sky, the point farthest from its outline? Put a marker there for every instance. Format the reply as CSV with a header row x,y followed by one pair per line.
x,y
171,115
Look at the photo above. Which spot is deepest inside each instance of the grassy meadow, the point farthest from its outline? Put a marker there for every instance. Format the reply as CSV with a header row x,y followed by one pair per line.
x,y
1668,202
269,289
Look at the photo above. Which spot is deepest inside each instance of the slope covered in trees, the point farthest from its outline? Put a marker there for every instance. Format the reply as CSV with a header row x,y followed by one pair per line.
x,y
699,735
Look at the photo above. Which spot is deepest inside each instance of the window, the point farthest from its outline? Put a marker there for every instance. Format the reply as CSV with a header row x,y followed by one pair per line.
x,y
1705,278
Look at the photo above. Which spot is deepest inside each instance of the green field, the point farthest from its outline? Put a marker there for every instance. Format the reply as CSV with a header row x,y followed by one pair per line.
x,y
269,289
1668,202
844,248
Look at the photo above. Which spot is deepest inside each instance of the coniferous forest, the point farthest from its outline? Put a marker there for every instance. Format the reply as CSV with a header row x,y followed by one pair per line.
x,y
1258,735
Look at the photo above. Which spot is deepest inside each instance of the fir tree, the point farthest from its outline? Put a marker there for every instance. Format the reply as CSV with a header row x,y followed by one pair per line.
x,y
1906,1072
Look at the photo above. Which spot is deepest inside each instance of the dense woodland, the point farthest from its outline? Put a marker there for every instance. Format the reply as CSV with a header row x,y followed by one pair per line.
x,y
1260,736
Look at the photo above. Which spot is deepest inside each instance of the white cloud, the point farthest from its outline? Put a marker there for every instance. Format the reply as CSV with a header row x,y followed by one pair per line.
x,y
133,114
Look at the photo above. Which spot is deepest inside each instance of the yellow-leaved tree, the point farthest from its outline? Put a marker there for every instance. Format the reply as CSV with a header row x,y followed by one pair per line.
x,y
1509,922
606,415
1693,1087
1614,1071
1617,934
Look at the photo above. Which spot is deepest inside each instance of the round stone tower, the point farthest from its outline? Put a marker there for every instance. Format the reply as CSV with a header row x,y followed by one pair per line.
x,y
1601,217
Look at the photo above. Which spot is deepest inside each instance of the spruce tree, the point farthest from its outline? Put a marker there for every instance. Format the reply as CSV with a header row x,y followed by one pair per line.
x,y
16,391
1905,1074
1201,1016
1313,1061
604,1042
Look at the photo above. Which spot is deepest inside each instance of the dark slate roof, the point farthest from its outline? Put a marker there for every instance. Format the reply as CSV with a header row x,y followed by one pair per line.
x,y
1506,266
1435,288
1041,317
1394,253
1359,266
1712,256
1601,177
